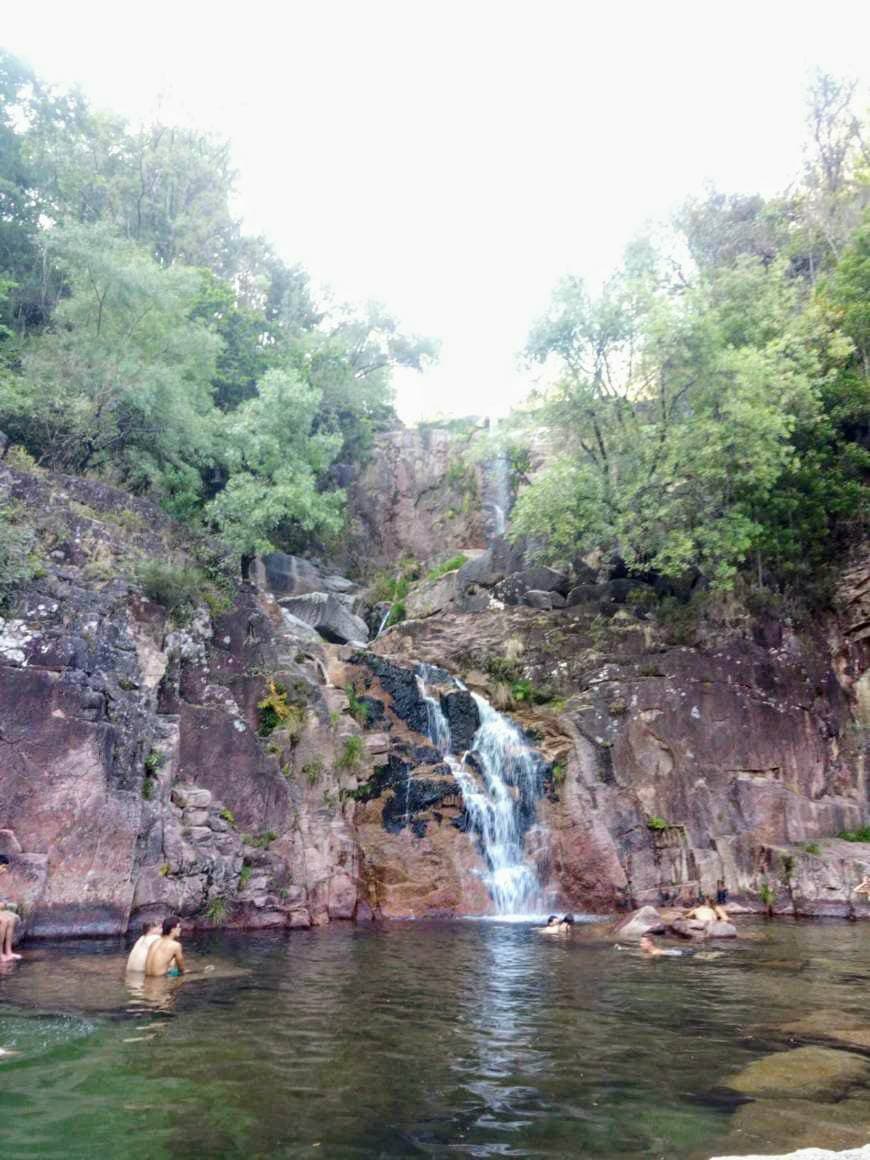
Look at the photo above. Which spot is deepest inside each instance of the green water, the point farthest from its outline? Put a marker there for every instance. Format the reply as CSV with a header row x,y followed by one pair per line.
x,y
463,1039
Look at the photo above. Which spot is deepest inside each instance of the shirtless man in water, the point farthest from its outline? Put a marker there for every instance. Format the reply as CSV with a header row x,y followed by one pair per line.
x,y
8,919
165,957
139,954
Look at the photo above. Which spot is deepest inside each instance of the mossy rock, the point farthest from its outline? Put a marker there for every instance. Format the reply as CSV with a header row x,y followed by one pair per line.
x,y
807,1073
767,1126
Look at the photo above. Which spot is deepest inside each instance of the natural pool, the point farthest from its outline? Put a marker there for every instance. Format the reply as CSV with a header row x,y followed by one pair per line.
x,y
475,1039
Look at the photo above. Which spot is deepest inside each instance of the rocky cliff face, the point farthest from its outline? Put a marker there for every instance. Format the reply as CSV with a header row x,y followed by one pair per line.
x,y
239,765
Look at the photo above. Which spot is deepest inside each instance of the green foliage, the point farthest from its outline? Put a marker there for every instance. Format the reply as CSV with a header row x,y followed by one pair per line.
x,y
359,710
245,875
165,870
228,815
712,415
217,910
451,565
398,613
312,770
558,772
812,848
19,552
860,835
144,339
387,587
178,587
260,841
154,762
351,754
656,823
767,894
148,788
276,711
524,691
20,459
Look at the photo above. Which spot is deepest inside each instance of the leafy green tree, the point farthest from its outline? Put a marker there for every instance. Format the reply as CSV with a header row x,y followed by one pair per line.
x,y
275,460
121,384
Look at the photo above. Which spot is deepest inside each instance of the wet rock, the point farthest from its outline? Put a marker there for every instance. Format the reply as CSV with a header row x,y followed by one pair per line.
x,y
721,929
401,684
808,1073
460,709
646,920
329,615
287,575
515,588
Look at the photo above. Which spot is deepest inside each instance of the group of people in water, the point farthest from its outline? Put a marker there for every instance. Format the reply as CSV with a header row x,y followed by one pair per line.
x,y
705,912
157,953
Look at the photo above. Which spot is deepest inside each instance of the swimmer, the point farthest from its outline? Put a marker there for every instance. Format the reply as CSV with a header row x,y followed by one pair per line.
x,y
648,947
8,919
556,925
165,957
146,940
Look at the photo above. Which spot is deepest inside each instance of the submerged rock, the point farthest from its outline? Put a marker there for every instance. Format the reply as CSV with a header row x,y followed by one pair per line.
x,y
806,1073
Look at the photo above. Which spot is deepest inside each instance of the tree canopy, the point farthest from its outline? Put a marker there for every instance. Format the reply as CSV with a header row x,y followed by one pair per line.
x,y
144,337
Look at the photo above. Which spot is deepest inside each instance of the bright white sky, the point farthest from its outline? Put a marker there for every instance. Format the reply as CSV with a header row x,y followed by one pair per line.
x,y
453,158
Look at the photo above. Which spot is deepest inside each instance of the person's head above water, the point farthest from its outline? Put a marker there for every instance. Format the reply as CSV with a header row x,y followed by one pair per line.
x,y
646,942
171,926
569,918
552,920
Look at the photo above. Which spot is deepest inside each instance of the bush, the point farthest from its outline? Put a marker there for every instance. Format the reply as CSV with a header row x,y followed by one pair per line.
x,y
861,835
178,587
351,754
276,711
359,710
657,823
217,910
19,559
451,565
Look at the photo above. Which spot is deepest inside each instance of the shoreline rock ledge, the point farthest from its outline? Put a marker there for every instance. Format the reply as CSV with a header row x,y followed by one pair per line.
x,y
862,1153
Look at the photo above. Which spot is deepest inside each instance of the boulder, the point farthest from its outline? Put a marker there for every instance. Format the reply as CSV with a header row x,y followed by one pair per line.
x,y
647,920
807,1073
720,929
498,561
690,928
431,596
191,797
287,575
326,613
586,594
800,1124
460,709
544,600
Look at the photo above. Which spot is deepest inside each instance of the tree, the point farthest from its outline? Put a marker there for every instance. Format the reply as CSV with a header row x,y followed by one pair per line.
x,y
275,460
122,381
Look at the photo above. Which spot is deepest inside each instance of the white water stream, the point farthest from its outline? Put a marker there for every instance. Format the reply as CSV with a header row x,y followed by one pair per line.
x,y
499,776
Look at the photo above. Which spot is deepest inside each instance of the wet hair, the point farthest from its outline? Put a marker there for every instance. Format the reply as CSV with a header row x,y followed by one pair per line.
x,y
553,918
569,918
4,859
149,925
169,924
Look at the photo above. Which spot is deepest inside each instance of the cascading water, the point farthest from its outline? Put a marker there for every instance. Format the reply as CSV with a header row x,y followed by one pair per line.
x,y
500,777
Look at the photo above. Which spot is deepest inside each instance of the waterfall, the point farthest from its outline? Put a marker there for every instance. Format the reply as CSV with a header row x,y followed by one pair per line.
x,y
498,494
500,780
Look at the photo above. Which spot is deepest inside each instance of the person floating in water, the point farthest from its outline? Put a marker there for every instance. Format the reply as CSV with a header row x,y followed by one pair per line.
x,y
165,957
556,925
8,919
139,954
649,947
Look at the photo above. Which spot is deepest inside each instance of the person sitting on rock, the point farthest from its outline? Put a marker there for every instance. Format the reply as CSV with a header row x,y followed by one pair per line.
x,y
8,919
138,956
705,912
165,956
